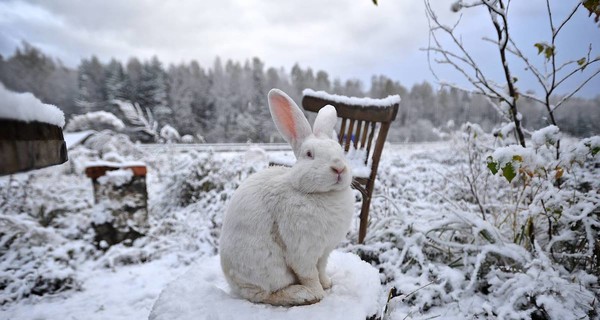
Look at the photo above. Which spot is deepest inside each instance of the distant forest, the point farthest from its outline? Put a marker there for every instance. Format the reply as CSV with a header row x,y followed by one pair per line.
x,y
226,102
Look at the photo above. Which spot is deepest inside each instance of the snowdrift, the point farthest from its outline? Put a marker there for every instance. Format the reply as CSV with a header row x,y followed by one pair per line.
x,y
203,293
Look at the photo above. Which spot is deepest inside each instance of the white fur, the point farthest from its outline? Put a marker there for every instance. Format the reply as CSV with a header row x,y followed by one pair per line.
x,y
282,223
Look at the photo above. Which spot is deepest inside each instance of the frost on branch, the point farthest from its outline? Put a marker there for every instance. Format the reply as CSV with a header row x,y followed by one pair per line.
x,y
143,122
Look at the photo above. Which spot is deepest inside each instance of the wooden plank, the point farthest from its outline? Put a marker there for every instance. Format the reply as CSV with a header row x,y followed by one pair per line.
x,y
27,146
341,134
95,172
364,136
349,135
373,125
357,134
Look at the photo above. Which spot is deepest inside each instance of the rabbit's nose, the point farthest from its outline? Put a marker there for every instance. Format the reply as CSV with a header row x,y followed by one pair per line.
x,y
338,170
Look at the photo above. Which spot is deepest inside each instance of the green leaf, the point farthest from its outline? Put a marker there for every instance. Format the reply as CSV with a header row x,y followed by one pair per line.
x,y
375,2
515,79
593,6
549,52
509,172
540,47
581,61
492,165
517,157
595,150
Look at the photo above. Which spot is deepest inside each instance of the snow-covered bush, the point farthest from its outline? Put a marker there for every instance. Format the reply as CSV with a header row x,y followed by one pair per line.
x,y
501,231
558,206
169,134
36,261
195,174
97,120
43,233
113,146
186,138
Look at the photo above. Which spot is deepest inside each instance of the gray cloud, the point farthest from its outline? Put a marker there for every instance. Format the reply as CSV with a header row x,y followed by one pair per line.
x,y
347,39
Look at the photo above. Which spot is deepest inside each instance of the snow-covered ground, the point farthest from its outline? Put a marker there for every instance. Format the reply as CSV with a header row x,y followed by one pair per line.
x,y
49,268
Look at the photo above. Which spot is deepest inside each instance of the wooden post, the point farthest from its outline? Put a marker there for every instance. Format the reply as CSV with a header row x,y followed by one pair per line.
x,y
122,207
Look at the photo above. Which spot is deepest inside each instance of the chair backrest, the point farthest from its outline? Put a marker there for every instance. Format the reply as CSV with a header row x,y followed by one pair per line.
x,y
365,122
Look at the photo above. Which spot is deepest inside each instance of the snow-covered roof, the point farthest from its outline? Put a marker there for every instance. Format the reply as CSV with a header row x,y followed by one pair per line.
x,y
354,101
26,107
74,138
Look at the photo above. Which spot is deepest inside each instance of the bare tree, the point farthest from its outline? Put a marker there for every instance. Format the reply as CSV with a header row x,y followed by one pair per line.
x,y
505,96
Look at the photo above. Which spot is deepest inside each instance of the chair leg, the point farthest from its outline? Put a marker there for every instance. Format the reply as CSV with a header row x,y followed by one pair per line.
x,y
364,217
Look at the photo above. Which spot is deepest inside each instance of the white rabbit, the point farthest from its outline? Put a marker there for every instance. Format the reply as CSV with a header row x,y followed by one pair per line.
x,y
282,223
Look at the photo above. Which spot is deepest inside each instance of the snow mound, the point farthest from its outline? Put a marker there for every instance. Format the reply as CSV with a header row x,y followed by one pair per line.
x,y
26,107
203,293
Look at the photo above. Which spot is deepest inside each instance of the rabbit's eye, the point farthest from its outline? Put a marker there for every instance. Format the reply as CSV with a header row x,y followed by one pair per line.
x,y
309,154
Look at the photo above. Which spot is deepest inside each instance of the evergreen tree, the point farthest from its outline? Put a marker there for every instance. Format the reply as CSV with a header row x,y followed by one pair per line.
x,y
322,81
115,81
92,90
133,79
153,91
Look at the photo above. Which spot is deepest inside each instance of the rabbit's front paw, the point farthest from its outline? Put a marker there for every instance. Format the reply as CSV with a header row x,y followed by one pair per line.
x,y
325,281
308,295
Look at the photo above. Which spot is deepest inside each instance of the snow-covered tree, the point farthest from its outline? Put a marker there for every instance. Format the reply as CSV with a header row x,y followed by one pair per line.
x,y
153,90
115,81
92,90
133,72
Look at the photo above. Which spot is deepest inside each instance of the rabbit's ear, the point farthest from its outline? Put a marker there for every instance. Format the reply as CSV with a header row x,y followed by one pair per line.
x,y
325,121
288,118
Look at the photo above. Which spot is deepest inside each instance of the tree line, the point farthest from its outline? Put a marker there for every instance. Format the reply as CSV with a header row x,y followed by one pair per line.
x,y
226,102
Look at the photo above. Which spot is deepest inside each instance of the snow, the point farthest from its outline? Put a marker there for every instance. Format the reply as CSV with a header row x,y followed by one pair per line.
x,y
526,157
169,133
427,236
116,178
74,138
123,164
549,134
354,101
203,293
124,293
356,160
26,107
94,119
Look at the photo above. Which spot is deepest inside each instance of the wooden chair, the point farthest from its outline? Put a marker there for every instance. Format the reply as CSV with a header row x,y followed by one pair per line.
x,y
364,126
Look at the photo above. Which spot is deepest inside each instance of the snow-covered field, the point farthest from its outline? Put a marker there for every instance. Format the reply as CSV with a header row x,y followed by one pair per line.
x,y
426,237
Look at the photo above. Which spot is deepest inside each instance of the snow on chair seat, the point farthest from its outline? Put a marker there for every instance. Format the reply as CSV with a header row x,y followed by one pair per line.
x,y
203,293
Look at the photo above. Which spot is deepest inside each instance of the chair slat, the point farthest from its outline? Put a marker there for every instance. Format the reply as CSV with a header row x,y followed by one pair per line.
x,y
363,139
341,132
349,135
371,135
357,134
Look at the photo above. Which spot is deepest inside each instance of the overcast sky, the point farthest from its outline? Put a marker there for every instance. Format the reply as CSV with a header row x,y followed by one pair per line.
x,y
348,39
